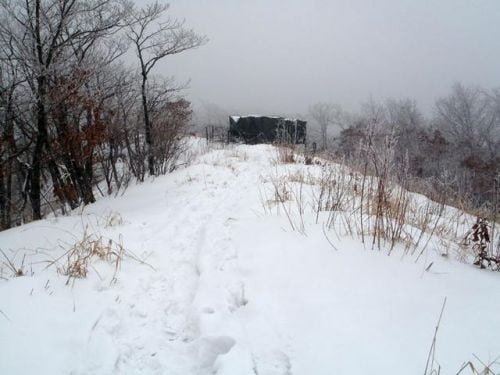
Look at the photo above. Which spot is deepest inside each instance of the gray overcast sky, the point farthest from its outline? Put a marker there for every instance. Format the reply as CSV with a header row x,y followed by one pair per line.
x,y
281,56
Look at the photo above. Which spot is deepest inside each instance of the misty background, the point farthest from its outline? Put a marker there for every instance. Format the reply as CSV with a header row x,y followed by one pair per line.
x,y
275,57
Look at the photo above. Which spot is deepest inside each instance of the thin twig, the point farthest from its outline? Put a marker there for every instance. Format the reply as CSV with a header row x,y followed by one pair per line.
x,y
326,236
432,350
5,315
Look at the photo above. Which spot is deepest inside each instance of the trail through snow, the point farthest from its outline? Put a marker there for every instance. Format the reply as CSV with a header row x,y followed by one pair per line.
x,y
182,314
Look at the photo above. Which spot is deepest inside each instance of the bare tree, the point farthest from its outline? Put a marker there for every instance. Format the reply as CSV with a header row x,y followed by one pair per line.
x,y
212,114
326,114
403,114
41,34
469,119
466,116
156,36
10,152
493,141
406,122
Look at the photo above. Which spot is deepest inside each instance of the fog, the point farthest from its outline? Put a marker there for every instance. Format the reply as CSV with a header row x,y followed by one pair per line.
x,y
280,57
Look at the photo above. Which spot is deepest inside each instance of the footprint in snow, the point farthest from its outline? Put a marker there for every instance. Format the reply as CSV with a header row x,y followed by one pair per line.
x,y
208,310
207,349
237,297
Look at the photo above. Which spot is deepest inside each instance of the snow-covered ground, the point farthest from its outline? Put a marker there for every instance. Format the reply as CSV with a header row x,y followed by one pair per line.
x,y
217,282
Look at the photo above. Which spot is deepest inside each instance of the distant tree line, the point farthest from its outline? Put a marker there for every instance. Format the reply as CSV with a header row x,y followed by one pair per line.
x,y
455,153
74,118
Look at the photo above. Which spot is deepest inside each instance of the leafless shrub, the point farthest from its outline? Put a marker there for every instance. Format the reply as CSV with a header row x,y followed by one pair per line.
x,y
288,197
285,154
478,238
336,191
299,177
365,205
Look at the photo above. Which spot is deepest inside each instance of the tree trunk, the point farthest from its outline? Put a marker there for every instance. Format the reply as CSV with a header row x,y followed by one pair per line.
x,y
41,120
3,201
88,163
7,166
323,136
41,140
147,127
88,177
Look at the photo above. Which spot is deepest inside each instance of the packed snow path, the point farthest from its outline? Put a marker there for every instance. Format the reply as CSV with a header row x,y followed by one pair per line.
x,y
230,290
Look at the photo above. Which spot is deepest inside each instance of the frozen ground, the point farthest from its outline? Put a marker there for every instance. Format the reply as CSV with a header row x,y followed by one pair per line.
x,y
226,287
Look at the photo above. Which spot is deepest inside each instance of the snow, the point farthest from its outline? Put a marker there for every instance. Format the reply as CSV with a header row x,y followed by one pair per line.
x,y
220,284
236,118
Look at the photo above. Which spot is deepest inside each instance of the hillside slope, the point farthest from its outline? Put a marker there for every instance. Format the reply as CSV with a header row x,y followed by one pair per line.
x,y
214,280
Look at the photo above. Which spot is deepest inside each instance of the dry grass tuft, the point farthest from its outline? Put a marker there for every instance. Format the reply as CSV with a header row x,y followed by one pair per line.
x,y
113,219
237,154
378,209
17,271
480,368
285,155
282,192
80,256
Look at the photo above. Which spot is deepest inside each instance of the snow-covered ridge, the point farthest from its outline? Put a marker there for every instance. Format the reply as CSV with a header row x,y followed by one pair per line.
x,y
223,277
